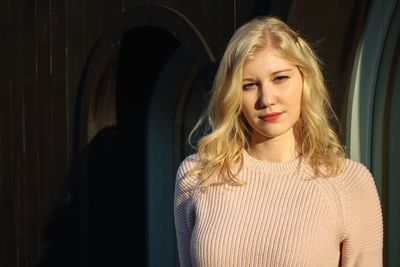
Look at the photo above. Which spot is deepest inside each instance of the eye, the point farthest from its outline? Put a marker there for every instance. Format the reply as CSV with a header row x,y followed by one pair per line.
x,y
281,78
248,86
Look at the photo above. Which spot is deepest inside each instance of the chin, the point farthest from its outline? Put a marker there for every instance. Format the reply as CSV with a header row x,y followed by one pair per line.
x,y
273,133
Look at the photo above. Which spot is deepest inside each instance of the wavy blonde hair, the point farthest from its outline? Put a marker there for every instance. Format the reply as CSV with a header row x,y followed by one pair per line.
x,y
220,151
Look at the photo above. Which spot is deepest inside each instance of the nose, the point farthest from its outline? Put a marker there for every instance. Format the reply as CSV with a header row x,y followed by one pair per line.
x,y
266,96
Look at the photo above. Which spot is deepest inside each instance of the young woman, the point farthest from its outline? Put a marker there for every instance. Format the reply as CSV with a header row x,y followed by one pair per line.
x,y
269,184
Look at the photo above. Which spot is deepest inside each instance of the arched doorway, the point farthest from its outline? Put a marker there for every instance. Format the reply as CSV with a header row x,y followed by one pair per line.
x,y
149,78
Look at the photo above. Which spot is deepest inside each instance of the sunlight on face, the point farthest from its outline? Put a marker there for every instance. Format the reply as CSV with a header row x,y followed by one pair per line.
x,y
272,89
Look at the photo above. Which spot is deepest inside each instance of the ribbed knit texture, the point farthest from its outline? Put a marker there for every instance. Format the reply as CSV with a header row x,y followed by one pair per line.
x,y
281,217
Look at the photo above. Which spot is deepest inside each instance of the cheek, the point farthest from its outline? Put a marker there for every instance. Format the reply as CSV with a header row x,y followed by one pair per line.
x,y
247,104
297,96
294,103
246,113
297,100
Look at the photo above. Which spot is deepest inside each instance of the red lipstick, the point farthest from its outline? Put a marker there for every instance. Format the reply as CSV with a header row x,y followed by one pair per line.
x,y
271,116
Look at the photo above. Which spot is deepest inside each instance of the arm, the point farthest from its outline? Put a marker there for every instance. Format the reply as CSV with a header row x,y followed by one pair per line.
x,y
362,244
182,208
183,240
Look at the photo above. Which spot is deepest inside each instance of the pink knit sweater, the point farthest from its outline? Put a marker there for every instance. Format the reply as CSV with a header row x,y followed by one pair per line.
x,y
279,218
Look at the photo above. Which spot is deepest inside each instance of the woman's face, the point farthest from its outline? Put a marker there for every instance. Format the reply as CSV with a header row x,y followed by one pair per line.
x,y
272,89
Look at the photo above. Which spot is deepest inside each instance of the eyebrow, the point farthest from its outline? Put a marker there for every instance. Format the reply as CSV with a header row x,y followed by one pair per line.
x,y
279,71
249,80
272,74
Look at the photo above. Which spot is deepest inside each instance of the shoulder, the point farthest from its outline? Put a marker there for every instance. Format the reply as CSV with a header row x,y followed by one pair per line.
x,y
355,174
350,164
190,160
189,163
354,185
357,186
183,179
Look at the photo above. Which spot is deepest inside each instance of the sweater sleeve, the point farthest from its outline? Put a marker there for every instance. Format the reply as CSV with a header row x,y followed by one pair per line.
x,y
362,242
184,215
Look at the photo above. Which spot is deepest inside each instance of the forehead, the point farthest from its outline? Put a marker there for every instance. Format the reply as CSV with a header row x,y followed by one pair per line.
x,y
266,60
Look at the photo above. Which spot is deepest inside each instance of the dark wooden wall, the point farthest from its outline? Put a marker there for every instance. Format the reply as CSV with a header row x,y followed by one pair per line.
x,y
44,47
37,88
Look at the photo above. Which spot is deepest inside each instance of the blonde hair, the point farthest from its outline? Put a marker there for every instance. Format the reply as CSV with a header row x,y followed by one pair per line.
x,y
220,151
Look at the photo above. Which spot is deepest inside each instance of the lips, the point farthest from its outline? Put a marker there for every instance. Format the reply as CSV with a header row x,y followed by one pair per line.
x,y
271,116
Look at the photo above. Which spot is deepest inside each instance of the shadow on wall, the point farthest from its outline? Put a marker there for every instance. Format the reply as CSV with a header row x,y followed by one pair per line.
x,y
101,220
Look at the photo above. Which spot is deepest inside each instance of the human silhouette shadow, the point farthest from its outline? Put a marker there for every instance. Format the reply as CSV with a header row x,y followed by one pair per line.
x,y
100,221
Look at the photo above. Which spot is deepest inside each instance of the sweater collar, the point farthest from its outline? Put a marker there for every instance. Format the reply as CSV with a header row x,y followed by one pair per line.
x,y
271,167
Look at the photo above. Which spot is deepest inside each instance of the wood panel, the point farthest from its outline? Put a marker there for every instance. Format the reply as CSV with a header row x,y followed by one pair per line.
x,y
7,240
129,4
28,120
22,75
30,179
94,23
45,168
61,83
111,12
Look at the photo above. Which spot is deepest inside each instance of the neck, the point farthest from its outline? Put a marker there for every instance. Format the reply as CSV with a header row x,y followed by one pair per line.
x,y
277,149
